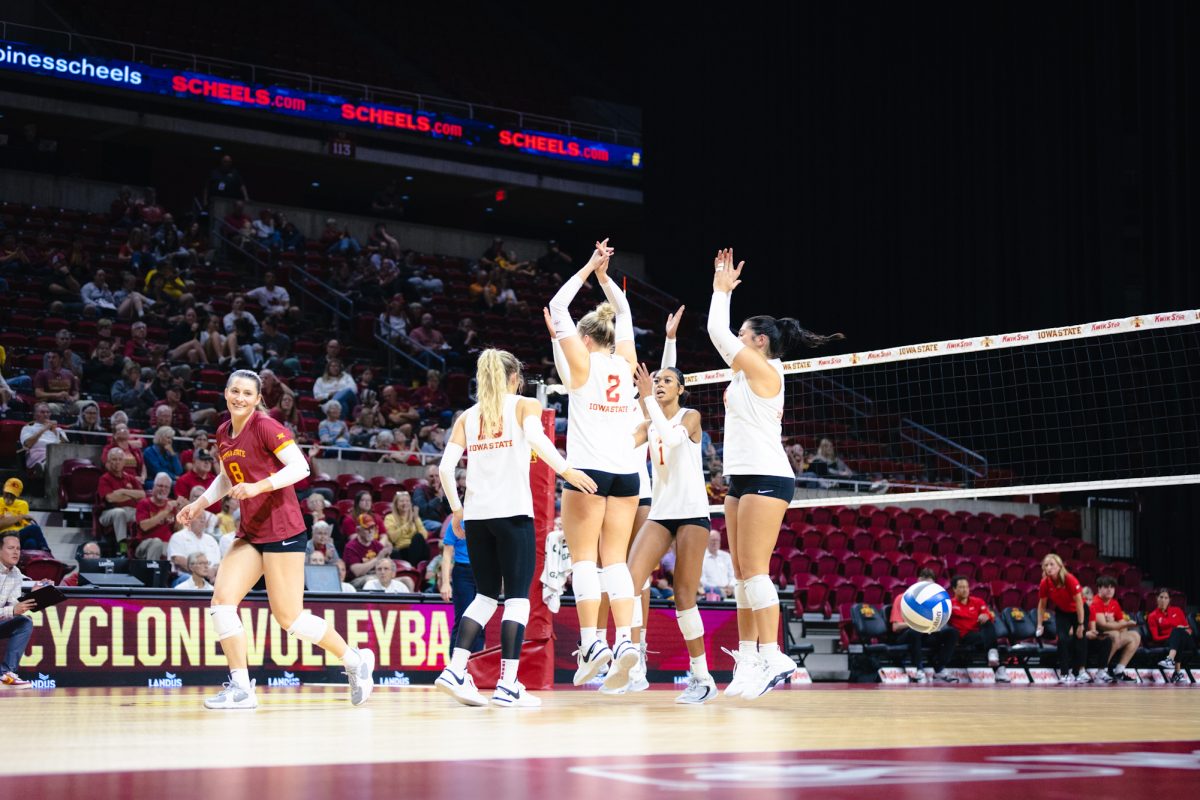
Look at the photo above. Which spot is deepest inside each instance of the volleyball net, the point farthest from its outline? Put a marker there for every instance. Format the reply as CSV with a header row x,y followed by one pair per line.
x,y
1100,405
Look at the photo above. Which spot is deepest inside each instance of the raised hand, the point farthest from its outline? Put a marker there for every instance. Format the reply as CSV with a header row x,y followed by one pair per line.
x,y
643,382
600,256
673,322
549,323
726,277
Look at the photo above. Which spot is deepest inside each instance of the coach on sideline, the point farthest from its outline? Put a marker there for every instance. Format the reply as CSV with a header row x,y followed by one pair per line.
x,y
13,622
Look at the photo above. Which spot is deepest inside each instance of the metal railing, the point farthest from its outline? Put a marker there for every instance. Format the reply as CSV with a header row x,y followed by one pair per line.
x,y
394,351
260,74
971,463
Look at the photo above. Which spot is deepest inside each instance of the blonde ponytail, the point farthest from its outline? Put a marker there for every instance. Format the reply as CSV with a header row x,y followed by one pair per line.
x,y
492,373
598,324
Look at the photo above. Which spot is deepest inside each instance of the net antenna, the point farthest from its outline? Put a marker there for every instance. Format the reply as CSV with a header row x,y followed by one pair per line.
x,y
1100,405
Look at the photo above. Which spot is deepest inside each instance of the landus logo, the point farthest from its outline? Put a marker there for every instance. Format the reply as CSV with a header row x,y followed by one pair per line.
x,y
288,679
170,681
397,678
43,681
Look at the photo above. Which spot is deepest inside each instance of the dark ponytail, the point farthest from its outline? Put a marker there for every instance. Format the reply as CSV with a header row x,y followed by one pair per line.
x,y
786,334
678,373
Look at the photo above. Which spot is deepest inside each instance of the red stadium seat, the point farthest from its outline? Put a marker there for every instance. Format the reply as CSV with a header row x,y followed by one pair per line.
x,y
836,540
920,543
847,518
945,545
800,567
1086,551
814,599
852,565
1014,572
384,487
786,538
1018,547
843,592
993,546
904,521
988,571
775,570
888,542
952,524
970,546
1131,577
928,523
1040,548
872,593
905,569
862,540
811,536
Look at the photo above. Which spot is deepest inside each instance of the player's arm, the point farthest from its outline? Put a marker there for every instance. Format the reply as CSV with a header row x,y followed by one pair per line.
x,y
691,423
623,324
529,414
560,359
671,435
668,353
451,455
215,492
564,327
763,378
641,434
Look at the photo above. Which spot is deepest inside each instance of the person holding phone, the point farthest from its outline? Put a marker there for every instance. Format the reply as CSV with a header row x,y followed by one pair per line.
x,y
14,622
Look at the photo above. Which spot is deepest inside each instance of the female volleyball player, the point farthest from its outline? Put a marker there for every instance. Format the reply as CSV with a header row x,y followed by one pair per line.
x,y
761,481
498,432
271,542
679,510
600,357
1062,589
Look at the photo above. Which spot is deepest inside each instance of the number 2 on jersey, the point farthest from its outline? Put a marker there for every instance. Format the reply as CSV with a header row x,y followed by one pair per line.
x,y
235,472
611,393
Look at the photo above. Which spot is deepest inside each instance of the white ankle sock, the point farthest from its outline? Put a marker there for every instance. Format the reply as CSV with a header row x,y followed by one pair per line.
x,y
700,667
623,633
1118,669
508,671
587,636
768,650
458,659
352,658
241,677
748,648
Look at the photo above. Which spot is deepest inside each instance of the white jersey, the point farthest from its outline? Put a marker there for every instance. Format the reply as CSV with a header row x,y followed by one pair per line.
x,y
497,466
600,425
754,429
643,454
679,491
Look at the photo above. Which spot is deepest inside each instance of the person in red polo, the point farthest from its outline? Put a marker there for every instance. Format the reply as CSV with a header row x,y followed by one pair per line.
x,y
155,515
1168,626
973,623
120,491
1112,625
201,474
1061,590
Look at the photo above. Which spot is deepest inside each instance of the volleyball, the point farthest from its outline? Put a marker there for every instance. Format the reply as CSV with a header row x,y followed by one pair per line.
x,y
926,607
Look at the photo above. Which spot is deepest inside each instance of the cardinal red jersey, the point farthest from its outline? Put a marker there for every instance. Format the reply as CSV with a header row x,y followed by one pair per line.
x,y
252,456
965,616
1102,606
1060,597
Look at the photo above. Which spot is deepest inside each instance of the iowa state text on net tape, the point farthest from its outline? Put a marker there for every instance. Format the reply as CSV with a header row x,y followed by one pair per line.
x,y
1170,319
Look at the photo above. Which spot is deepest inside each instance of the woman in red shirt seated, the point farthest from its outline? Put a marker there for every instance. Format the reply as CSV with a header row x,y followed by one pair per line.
x,y
1062,590
1168,625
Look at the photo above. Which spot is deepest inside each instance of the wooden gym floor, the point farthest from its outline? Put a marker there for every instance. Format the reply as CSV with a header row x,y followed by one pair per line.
x,y
834,739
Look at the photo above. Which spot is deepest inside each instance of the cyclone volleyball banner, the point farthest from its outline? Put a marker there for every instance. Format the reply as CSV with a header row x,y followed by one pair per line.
x,y
169,642
197,87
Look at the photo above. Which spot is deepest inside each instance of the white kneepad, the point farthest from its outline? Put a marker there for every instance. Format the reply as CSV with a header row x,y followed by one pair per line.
x,y
761,593
481,609
739,594
308,628
586,580
516,609
690,623
617,581
226,621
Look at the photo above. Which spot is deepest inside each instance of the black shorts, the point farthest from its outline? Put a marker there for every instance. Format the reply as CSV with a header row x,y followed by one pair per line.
x,y
673,525
612,484
763,485
643,501
502,555
293,544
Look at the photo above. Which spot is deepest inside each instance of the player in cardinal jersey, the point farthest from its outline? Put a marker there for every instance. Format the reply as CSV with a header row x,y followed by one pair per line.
x,y
600,356
258,463
497,434
761,481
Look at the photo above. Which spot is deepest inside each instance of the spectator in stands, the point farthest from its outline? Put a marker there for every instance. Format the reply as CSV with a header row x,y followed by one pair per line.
x,y
131,393
57,385
423,283
716,575
196,242
341,568
333,431
265,234
225,181
273,349
383,242
236,312
69,359
1168,626
393,322
482,291
428,337
193,538
274,299
201,474
430,399
333,351
200,443
494,252
362,513
135,254
99,299
7,395
972,624
826,463
39,434
902,634
364,550
183,339
14,624
385,579
506,297
218,348
797,458
365,427
227,519
161,459
129,445
368,394
139,347
337,240
101,370
15,516
322,539
119,492
164,285
464,339
431,439
717,487
1113,626
1061,590
13,256
395,411
553,262
89,550
431,504
198,568
287,413
405,529
334,384
88,425
155,515
129,298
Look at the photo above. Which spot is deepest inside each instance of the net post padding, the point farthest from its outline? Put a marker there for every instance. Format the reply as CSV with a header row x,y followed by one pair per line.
x,y
537,653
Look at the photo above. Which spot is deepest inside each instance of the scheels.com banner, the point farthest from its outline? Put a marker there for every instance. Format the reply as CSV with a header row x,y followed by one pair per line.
x,y
199,87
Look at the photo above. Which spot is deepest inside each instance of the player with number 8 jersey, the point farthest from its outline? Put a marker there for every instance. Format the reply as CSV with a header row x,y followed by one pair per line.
x,y
250,456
